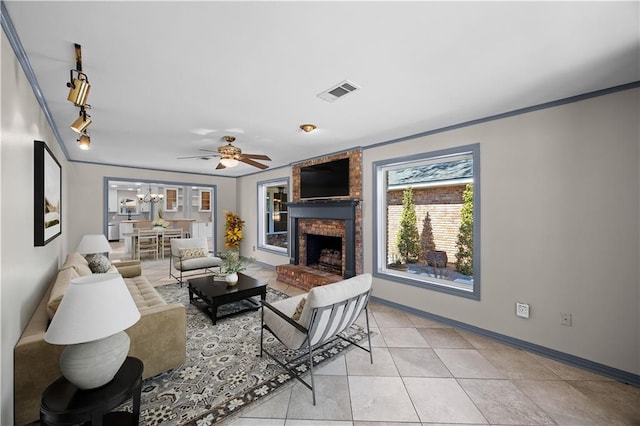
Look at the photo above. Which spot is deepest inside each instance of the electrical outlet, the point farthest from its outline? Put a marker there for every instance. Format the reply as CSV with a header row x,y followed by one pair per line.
x,y
565,319
522,310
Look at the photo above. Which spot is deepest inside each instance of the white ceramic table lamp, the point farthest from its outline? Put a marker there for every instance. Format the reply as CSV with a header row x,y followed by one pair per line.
x,y
92,244
91,319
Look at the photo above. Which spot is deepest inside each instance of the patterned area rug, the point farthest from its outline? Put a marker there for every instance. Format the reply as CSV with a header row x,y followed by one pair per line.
x,y
223,373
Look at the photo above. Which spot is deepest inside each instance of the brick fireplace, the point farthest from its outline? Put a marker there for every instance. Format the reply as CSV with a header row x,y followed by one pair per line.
x,y
311,221
326,234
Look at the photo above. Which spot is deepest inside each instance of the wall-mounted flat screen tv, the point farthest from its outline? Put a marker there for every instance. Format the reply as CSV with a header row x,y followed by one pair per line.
x,y
325,180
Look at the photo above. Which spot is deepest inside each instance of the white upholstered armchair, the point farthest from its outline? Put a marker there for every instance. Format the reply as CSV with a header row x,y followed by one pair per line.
x,y
190,254
307,325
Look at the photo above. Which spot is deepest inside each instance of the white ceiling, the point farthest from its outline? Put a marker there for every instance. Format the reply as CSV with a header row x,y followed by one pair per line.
x,y
171,78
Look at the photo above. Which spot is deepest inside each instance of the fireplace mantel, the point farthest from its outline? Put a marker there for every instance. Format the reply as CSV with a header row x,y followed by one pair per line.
x,y
326,209
329,209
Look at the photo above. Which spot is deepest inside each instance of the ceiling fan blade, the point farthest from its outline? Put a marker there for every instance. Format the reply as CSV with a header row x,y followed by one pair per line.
x,y
257,156
209,150
244,159
205,157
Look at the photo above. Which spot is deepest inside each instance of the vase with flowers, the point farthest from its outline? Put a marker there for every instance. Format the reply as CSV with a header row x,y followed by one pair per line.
x,y
159,222
232,263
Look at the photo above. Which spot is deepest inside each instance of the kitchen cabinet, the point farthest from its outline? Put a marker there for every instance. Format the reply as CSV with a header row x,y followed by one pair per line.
x,y
205,200
112,202
201,230
171,199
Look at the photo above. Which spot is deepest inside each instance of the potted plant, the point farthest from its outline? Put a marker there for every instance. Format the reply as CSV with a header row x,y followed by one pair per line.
x,y
233,230
232,263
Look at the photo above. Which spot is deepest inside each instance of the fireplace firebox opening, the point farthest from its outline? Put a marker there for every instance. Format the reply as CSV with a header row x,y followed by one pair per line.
x,y
324,253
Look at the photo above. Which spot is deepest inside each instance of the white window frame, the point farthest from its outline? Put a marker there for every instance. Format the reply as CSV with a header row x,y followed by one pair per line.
x,y
380,261
262,214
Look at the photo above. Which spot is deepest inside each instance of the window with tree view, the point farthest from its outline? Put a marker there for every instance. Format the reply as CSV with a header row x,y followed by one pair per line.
x,y
427,212
273,223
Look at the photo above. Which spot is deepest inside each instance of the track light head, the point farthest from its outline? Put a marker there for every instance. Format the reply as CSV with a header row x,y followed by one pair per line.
x,y
79,88
84,142
82,122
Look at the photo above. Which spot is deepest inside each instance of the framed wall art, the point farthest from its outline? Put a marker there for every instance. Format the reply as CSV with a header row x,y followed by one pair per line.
x,y
47,190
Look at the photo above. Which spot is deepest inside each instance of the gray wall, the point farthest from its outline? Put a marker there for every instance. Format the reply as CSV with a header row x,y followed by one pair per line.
x,y
560,228
25,270
86,203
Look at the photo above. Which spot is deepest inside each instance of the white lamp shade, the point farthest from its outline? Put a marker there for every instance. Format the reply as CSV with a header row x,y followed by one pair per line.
x,y
93,307
93,243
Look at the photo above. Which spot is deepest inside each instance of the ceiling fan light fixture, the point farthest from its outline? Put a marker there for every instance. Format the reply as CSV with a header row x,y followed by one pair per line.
x,y
229,162
308,127
84,142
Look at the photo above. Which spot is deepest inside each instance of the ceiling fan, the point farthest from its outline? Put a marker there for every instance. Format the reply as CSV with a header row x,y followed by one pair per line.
x,y
230,156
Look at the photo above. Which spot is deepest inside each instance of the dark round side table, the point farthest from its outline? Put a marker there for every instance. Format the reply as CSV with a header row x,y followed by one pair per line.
x,y
63,403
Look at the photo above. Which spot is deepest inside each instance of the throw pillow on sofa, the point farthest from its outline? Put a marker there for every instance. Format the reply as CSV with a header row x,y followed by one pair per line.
x,y
63,279
99,264
298,312
192,253
76,261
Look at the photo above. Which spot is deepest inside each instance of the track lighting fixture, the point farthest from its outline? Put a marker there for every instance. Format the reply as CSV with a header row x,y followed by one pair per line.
x,y
78,96
79,86
82,122
84,142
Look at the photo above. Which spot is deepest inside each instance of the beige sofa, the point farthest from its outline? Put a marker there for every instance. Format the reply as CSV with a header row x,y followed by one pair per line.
x,y
158,338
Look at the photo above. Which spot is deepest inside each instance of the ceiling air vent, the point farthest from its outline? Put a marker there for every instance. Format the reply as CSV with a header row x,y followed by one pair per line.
x,y
338,91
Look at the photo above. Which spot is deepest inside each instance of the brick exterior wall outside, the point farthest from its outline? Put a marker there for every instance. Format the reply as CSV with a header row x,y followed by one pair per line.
x,y
443,205
451,194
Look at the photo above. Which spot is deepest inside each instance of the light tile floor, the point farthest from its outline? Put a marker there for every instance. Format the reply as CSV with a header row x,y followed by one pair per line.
x,y
428,373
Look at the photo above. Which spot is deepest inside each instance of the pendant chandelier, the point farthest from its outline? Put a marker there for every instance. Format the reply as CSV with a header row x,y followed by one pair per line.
x,y
150,197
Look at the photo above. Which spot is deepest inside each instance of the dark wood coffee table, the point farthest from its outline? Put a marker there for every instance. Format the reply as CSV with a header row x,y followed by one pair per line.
x,y
208,293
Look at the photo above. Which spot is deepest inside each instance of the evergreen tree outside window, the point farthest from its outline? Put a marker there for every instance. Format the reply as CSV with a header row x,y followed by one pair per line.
x,y
408,237
464,256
